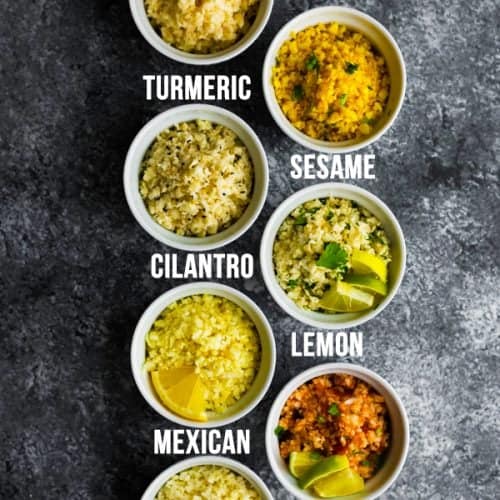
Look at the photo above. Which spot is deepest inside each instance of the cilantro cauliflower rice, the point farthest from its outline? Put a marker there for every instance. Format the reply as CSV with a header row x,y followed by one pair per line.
x,y
331,255
201,26
196,178
208,482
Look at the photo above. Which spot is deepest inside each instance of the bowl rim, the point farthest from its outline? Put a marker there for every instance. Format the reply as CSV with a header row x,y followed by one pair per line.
x,y
221,461
154,40
169,238
328,368
163,301
282,121
266,255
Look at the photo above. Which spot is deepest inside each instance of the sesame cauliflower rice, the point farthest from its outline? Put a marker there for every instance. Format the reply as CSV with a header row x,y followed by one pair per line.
x,y
303,237
201,26
214,335
208,482
331,83
196,178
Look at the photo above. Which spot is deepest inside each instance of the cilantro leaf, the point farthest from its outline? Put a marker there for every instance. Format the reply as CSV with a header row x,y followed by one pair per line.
x,y
298,92
334,410
343,99
279,430
292,283
312,63
333,257
351,68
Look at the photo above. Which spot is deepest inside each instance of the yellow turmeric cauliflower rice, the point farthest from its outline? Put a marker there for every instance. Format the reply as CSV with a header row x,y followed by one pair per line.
x,y
331,83
201,26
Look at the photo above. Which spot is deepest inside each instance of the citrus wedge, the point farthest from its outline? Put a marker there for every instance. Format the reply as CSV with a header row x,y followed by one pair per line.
x,y
366,263
184,396
342,483
302,461
346,298
367,283
323,469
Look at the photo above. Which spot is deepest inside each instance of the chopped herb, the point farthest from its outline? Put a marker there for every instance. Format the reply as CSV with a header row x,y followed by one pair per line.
x,y
300,220
333,257
329,215
309,286
366,463
292,283
370,87
298,92
334,410
369,121
315,455
312,63
279,430
375,238
347,226
379,431
343,99
312,210
351,68
277,63
321,419
323,200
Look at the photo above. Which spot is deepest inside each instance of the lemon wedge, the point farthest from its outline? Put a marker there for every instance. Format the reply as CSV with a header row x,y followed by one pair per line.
x,y
302,461
181,390
323,469
367,283
366,263
342,483
346,298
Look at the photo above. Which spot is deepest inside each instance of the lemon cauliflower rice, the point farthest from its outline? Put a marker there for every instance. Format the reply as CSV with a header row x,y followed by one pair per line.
x,y
196,178
214,335
330,82
201,26
207,482
336,414
303,236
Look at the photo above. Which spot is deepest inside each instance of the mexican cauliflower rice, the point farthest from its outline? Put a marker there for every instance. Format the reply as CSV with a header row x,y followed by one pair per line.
x,y
201,26
196,178
330,82
308,232
213,335
207,482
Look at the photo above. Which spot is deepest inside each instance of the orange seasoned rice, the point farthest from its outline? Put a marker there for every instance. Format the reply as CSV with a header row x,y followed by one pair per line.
x,y
337,414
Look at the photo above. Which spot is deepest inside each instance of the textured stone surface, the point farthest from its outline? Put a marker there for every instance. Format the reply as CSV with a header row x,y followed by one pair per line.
x,y
74,264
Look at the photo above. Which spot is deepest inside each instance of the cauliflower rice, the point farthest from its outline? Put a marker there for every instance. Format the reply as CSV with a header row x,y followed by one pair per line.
x,y
201,26
208,482
214,335
196,178
337,415
331,83
303,236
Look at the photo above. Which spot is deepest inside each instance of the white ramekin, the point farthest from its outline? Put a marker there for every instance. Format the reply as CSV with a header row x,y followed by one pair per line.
x,y
400,434
364,199
268,353
142,142
239,468
154,39
378,35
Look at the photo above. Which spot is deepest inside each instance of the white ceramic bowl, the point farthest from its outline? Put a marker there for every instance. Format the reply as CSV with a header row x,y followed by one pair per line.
x,y
378,35
142,142
239,468
366,200
400,434
155,40
264,375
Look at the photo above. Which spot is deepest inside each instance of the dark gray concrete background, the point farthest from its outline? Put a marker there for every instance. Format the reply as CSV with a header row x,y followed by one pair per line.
x,y
74,263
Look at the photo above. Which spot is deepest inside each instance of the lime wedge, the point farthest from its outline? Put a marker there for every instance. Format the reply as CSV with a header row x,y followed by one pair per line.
x,y
345,482
367,283
322,469
302,461
343,297
366,263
